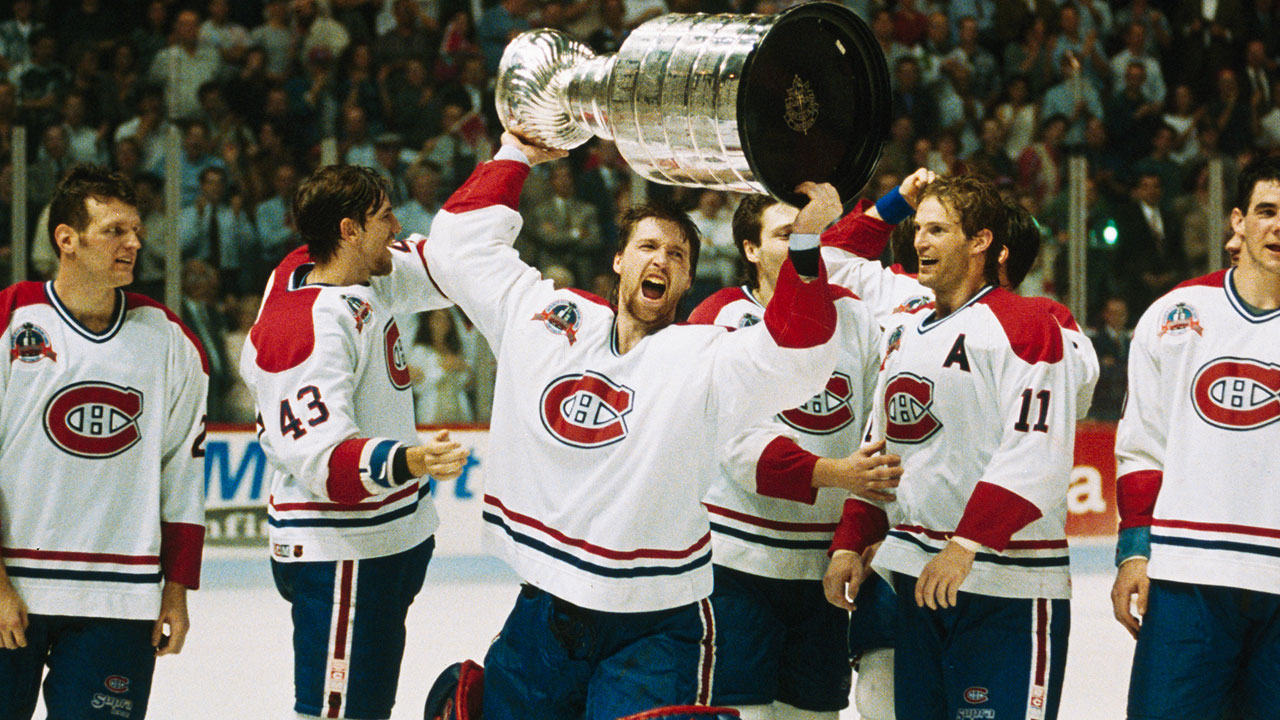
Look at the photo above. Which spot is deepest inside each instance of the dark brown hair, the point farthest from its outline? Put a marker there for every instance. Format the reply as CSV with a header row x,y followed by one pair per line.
x,y
978,205
70,200
331,195
746,228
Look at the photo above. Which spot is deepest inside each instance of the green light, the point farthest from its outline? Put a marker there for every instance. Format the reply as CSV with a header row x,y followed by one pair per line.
x,y
1109,233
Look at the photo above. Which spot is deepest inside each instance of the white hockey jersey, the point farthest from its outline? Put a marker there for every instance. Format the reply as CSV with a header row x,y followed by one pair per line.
x,y
598,460
1198,446
981,405
766,518
327,368
101,455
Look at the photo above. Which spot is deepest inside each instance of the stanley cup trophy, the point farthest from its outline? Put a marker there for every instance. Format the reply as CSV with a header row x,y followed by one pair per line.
x,y
749,103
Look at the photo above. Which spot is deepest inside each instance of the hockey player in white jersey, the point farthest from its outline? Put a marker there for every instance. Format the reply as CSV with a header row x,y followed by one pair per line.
x,y
601,447
101,468
976,396
1198,484
777,496
351,518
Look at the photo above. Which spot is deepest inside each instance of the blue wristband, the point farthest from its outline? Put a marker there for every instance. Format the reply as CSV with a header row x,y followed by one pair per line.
x,y
894,208
1133,542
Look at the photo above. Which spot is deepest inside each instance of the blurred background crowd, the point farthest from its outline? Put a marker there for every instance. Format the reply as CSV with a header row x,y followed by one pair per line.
x,y
1150,93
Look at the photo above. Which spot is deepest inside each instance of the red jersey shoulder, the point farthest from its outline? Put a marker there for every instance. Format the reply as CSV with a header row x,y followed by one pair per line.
x,y
591,297
1213,279
132,301
708,310
284,335
20,295
1033,332
1056,309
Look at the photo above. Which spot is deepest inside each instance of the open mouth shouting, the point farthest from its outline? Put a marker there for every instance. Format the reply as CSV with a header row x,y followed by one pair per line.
x,y
653,288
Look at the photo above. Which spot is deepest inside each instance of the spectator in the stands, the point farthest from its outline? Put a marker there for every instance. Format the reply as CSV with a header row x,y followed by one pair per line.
x,y
314,29
87,144
41,80
1031,58
272,216
1074,99
1158,34
441,377
1084,45
882,28
1183,116
355,144
1267,131
1111,341
1158,162
416,214
1149,253
1039,166
226,127
275,37
1135,50
909,24
413,107
221,235
912,99
411,37
183,66
564,227
1131,117
148,278
1106,167
387,161
985,70
1209,37
88,23
501,22
357,84
152,35
990,160
201,313
118,89
313,108
15,36
229,39
612,30
1230,114
52,159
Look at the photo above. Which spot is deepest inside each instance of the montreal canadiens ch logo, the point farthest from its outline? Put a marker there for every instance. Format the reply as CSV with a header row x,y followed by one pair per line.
x,y
94,419
29,343
397,364
826,412
1237,393
975,695
586,410
117,683
907,399
561,317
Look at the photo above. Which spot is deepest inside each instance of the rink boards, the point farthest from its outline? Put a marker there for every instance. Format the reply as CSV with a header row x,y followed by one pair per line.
x,y
237,488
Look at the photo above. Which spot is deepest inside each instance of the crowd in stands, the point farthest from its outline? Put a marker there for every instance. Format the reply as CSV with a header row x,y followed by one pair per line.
x,y
1148,92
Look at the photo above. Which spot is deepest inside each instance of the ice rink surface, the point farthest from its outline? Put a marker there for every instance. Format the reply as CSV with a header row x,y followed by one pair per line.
x,y
237,664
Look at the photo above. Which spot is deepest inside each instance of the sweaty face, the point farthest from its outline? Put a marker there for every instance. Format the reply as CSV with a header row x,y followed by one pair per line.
x,y
653,272
1259,229
380,230
775,234
942,246
108,247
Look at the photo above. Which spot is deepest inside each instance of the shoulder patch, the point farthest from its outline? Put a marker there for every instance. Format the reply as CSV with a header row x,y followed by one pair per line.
x,y
1179,318
1034,335
561,317
29,343
134,300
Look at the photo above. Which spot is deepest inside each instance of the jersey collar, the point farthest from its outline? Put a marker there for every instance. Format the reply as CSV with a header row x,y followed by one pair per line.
x,y
117,319
932,320
1233,299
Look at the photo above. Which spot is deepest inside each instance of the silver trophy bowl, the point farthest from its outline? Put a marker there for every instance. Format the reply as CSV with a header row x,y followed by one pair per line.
x,y
748,103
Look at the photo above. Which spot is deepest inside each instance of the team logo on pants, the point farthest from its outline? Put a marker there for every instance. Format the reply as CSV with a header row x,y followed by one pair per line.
x,y
907,398
826,412
586,410
94,419
1237,393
